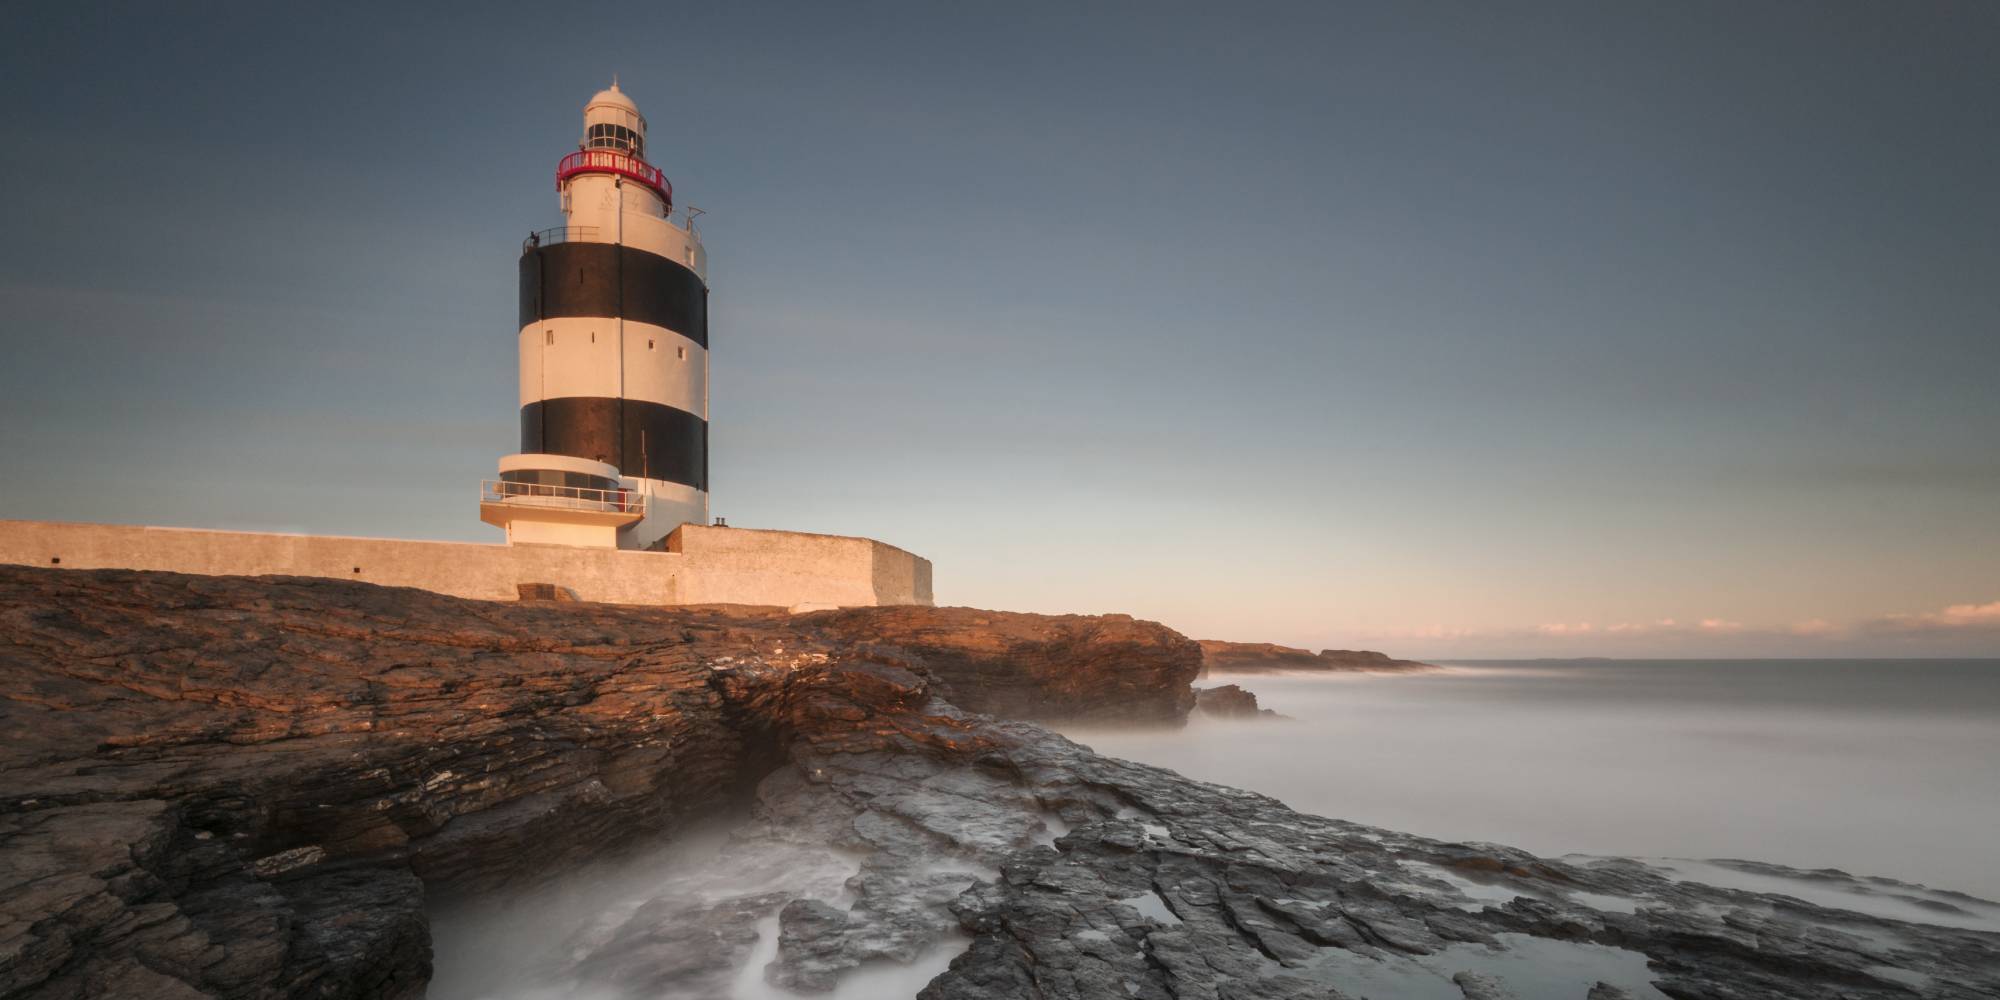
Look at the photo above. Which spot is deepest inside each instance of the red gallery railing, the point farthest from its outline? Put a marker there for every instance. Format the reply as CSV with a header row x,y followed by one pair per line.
x,y
611,161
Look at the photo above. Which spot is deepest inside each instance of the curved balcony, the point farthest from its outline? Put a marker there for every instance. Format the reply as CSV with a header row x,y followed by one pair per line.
x,y
561,515
576,498
611,161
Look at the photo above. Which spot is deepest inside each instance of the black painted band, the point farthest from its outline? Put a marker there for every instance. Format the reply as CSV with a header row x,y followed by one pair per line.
x,y
643,439
611,280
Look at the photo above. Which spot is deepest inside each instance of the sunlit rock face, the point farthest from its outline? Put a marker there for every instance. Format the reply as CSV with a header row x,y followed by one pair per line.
x,y
236,788
1097,668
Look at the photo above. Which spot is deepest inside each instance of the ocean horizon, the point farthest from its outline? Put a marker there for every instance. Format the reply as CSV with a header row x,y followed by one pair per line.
x,y
1886,767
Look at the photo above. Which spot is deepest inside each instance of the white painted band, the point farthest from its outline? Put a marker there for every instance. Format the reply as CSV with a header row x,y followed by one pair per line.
x,y
580,356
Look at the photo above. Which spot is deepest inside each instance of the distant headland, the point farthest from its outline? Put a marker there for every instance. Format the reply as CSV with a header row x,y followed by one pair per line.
x,y
1218,656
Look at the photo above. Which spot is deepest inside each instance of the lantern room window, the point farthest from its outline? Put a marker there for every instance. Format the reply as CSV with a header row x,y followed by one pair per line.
x,y
616,137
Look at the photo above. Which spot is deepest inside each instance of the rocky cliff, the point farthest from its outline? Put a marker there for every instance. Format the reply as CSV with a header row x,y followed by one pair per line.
x,y
224,787
1262,657
1098,668
218,784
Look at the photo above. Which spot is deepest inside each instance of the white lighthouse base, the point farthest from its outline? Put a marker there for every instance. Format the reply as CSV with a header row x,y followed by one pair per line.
x,y
525,523
560,500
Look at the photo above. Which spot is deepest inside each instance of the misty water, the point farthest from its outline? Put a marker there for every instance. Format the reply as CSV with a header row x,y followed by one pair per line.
x,y
648,926
1875,768
1887,768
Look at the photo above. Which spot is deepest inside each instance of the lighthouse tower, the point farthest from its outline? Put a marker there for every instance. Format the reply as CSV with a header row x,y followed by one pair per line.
x,y
614,354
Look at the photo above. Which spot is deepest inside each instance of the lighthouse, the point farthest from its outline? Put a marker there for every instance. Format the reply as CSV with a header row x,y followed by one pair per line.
x,y
613,346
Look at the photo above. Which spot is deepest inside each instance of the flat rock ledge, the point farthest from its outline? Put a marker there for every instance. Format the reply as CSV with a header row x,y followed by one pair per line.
x,y
222,787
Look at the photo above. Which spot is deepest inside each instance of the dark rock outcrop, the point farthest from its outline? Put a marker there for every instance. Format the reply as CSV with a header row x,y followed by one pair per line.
x,y
1264,657
1228,701
1366,659
246,788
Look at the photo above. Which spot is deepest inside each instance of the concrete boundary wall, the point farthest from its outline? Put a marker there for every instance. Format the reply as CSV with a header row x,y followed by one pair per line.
x,y
725,565
743,565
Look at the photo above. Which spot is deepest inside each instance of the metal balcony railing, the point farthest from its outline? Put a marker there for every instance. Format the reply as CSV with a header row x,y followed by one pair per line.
x,y
611,161
562,497
559,234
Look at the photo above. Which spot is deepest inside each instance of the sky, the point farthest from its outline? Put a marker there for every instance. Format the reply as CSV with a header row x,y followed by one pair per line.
x,y
1453,330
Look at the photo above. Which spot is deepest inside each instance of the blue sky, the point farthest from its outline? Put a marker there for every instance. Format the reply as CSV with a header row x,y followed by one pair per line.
x,y
1560,330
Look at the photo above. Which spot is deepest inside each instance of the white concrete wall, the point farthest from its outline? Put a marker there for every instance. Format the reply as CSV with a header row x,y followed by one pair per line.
x,y
668,506
530,531
746,565
461,569
722,566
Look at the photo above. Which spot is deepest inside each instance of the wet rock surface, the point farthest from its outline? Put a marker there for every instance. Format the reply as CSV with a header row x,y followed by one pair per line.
x,y
1165,887
247,788
1079,876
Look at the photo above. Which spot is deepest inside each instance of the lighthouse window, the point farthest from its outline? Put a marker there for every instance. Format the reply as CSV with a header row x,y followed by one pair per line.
x,y
615,137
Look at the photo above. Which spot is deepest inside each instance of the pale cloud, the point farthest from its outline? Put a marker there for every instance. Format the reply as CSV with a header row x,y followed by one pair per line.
x,y
1558,628
1953,618
1956,630
1969,614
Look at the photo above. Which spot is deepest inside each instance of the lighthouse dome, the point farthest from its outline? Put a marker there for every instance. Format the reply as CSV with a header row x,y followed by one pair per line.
x,y
611,97
612,121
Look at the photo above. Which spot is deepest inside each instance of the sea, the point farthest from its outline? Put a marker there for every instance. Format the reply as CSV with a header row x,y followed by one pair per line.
x,y
1872,767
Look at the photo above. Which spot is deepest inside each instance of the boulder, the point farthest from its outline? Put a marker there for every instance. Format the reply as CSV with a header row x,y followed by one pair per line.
x,y
1229,701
